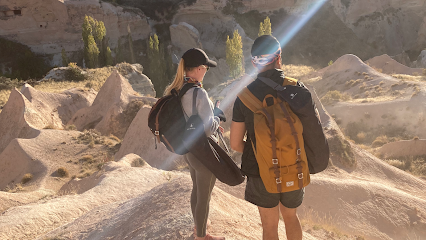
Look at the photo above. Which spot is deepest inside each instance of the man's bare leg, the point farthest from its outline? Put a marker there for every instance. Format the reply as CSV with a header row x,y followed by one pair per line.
x,y
270,219
292,223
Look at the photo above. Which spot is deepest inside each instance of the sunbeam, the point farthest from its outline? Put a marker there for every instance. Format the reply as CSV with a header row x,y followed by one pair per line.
x,y
284,33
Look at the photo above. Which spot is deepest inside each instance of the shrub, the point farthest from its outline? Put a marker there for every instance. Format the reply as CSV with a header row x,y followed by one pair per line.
x,y
380,141
416,91
138,163
26,178
70,127
333,96
362,87
352,82
73,73
92,144
62,172
342,151
87,158
361,137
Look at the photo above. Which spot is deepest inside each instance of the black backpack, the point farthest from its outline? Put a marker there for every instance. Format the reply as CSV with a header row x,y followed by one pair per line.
x,y
301,103
167,121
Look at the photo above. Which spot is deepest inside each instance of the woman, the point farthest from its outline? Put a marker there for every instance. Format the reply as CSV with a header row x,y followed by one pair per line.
x,y
192,68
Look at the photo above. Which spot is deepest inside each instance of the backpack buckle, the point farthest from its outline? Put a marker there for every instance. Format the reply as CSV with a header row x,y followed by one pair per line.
x,y
278,180
275,161
300,176
157,133
299,151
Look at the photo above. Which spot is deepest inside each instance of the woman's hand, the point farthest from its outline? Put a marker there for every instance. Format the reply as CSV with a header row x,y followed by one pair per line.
x,y
221,129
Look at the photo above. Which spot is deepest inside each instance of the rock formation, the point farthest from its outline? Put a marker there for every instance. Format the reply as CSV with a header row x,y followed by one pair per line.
x,y
390,26
398,104
111,187
421,60
30,110
184,37
403,148
107,113
140,140
54,24
139,81
387,65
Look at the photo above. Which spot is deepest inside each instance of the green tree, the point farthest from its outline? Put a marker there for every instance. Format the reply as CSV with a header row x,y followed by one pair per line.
x,y
160,67
261,30
129,37
64,58
93,29
234,55
92,52
108,57
265,27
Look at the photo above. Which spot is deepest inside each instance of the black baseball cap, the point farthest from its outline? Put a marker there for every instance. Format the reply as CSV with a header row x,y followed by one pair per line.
x,y
195,57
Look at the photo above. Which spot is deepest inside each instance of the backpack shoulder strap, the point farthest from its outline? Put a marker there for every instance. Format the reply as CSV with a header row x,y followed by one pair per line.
x,y
249,100
185,89
276,86
194,101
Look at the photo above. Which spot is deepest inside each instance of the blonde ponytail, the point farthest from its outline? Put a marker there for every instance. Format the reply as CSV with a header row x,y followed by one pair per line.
x,y
178,82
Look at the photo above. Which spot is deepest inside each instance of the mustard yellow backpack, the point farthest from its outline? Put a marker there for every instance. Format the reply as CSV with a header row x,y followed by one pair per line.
x,y
279,149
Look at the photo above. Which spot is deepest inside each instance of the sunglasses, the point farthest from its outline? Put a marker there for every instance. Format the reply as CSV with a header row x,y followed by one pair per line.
x,y
206,67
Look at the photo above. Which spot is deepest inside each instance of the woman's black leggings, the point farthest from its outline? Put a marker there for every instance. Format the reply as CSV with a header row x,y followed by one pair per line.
x,y
202,185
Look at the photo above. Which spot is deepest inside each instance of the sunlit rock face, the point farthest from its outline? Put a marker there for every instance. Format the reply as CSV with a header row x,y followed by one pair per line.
x,y
50,25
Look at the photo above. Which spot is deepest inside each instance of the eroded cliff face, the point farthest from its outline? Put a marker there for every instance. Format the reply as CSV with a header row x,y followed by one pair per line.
x,y
389,25
48,26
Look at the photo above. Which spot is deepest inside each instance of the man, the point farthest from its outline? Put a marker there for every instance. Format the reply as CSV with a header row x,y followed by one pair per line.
x,y
266,57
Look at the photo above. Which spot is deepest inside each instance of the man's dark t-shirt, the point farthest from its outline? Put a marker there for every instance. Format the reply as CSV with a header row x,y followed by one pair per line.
x,y
241,113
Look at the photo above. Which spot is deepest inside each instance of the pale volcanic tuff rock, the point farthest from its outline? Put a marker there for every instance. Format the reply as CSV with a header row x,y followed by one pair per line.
x,y
48,26
389,26
132,72
213,26
139,81
40,156
406,111
390,66
184,37
30,110
117,182
421,60
106,113
140,140
403,148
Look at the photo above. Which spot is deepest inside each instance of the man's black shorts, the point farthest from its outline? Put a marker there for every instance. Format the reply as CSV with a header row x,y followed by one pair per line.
x,y
256,193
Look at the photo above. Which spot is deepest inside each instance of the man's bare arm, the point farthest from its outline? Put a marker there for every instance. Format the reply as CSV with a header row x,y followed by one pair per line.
x,y
238,131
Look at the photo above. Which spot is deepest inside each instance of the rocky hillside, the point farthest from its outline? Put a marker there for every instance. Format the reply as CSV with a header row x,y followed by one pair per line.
x,y
48,26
